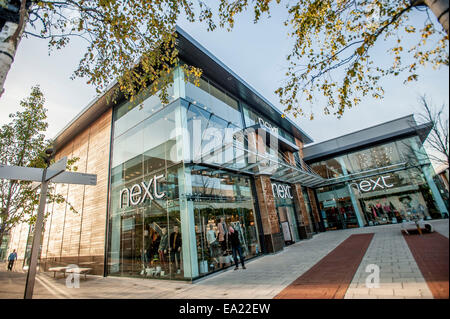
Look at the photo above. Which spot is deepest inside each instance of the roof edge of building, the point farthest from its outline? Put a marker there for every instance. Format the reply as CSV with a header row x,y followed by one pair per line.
x,y
99,104
421,130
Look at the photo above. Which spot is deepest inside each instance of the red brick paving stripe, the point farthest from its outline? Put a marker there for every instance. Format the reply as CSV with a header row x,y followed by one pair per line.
x,y
431,254
332,275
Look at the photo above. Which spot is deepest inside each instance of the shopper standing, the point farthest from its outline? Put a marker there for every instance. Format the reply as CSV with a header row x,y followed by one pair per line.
x,y
11,259
233,238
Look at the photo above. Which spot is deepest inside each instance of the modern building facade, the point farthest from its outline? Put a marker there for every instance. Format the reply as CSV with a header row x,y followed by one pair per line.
x,y
172,178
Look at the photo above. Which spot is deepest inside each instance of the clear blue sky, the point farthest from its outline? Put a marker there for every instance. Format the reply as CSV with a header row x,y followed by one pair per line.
x,y
256,53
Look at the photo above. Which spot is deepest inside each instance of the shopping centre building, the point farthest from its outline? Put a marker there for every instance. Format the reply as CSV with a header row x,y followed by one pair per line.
x,y
171,179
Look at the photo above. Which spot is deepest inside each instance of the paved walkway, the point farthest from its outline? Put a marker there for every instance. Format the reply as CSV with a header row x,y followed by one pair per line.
x,y
330,277
431,254
265,276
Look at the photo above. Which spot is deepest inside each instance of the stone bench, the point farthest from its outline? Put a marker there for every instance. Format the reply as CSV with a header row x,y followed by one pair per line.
x,y
65,270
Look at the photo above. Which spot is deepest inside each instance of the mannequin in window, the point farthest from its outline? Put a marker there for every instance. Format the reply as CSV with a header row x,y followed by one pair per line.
x,y
379,209
175,247
212,242
163,246
223,234
155,241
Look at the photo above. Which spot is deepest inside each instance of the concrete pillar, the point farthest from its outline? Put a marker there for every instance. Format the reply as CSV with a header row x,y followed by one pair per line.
x,y
273,237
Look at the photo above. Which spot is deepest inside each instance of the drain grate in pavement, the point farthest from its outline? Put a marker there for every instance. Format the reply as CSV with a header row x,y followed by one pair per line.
x,y
332,275
431,254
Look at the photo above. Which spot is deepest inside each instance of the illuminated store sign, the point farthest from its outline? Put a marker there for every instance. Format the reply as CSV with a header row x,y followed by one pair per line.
x,y
370,184
138,193
281,191
268,125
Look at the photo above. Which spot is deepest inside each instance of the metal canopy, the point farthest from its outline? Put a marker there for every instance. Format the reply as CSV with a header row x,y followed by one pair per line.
x,y
265,164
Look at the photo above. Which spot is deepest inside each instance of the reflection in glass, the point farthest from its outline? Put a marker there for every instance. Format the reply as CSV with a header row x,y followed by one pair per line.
x,y
214,100
222,199
144,235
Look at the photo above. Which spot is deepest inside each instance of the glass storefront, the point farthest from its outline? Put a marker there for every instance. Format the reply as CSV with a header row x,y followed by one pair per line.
x,y
380,199
386,155
388,183
336,208
146,231
222,199
169,213
181,175
394,197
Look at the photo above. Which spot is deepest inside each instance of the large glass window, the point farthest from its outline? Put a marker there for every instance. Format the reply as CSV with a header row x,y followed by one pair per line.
x,y
213,139
336,207
128,114
394,197
320,168
214,100
286,135
375,157
145,236
164,215
334,168
407,151
385,155
220,200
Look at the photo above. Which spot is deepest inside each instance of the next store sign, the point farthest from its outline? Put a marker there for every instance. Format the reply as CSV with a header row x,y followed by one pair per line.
x,y
281,191
372,184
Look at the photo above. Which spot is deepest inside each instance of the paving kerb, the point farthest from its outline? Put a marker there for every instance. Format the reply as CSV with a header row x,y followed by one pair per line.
x,y
265,276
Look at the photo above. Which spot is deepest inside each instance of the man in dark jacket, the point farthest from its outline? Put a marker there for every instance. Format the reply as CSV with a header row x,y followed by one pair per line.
x,y
233,238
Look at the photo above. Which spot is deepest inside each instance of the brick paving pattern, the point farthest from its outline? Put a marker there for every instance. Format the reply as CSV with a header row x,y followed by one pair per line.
x,y
431,254
331,276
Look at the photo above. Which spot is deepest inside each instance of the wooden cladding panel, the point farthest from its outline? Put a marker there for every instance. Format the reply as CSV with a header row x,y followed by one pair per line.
x,y
79,237
72,225
47,228
92,241
59,211
18,238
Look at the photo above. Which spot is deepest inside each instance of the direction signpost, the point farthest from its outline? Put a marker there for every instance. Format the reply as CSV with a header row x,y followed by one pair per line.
x,y
53,174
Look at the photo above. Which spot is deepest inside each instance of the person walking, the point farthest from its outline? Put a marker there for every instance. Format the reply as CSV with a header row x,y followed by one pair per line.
x,y
236,248
11,259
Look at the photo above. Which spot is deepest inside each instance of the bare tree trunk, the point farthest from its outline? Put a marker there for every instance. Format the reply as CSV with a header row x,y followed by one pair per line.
x,y
440,10
10,36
